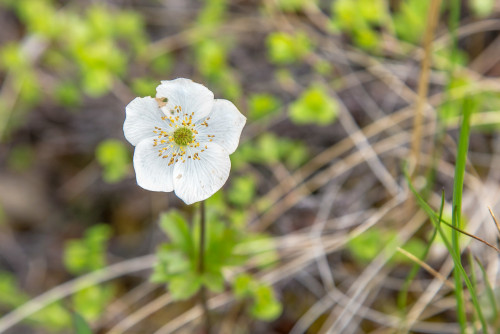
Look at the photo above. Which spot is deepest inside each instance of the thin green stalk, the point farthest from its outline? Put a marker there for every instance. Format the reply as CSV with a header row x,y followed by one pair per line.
x,y
459,170
403,295
473,279
207,326
456,220
456,257
489,290
453,23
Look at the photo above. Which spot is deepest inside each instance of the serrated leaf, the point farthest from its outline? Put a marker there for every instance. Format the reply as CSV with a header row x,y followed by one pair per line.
x,y
177,229
184,286
214,281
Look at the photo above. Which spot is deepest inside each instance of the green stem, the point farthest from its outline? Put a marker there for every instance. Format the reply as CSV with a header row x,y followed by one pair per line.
x,y
201,255
207,326
463,145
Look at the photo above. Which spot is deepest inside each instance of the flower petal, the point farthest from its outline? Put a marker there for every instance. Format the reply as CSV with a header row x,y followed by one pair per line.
x,y
192,97
142,115
196,180
225,123
152,171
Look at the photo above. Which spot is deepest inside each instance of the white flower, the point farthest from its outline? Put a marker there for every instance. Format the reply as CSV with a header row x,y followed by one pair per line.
x,y
183,139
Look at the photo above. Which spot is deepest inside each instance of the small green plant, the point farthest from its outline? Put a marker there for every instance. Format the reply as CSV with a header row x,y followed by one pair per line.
x,y
360,19
284,48
53,317
264,304
242,190
410,13
314,106
86,255
368,245
226,246
114,158
269,149
262,105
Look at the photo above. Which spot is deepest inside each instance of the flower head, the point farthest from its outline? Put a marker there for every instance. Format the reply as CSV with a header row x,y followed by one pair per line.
x,y
183,139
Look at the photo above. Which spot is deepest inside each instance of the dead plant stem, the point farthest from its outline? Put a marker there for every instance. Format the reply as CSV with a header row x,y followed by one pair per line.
x,y
423,86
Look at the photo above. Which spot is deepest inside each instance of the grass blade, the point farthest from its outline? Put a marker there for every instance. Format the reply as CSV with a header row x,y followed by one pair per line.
x,y
456,257
489,289
403,294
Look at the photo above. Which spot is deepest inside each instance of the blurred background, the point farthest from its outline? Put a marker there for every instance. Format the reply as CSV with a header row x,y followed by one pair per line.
x,y
315,202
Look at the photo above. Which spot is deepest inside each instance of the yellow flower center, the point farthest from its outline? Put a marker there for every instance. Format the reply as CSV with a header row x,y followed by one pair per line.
x,y
183,136
173,145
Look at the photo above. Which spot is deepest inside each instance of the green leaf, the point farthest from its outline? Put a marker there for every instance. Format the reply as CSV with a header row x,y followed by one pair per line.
x,y
265,306
99,17
10,293
39,16
293,153
88,253
211,58
92,301
314,106
361,19
80,324
323,67
113,155
12,58
243,285
262,105
128,23
54,317
97,82
176,262
456,88
414,246
68,94
162,65
75,256
144,86
214,281
284,48
184,286
26,82
176,227
268,147
366,246
366,38
242,190
212,13
410,14
261,248
171,262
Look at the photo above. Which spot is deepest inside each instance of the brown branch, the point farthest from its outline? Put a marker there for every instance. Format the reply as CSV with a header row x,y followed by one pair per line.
x,y
423,85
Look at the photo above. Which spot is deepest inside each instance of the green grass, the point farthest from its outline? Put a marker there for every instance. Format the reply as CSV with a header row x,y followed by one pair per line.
x,y
460,271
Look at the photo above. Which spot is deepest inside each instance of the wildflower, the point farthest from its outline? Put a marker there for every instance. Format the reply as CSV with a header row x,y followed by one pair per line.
x,y
183,139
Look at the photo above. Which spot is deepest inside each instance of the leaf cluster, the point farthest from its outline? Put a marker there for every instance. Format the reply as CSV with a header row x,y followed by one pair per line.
x,y
227,246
